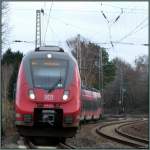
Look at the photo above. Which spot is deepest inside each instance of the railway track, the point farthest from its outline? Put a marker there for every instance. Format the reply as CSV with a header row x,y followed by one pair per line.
x,y
113,131
29,144
130,136
112,126
66,146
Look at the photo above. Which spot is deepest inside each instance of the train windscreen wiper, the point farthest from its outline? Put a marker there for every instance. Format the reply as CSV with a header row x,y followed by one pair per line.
x,y
55,85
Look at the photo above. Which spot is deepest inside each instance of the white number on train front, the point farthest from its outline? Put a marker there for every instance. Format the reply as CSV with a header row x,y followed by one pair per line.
x,y
49,97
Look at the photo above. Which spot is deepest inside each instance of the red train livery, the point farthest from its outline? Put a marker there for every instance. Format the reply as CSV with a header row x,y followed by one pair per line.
x,y
91,105
48,95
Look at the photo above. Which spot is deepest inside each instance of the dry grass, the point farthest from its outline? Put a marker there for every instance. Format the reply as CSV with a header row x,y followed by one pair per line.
x,y
8,118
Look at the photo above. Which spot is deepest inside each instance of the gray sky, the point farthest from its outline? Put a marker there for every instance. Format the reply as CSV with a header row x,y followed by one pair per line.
x,y
67,19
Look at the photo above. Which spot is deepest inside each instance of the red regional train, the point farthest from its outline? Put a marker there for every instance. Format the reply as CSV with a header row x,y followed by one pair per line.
x,y
49,101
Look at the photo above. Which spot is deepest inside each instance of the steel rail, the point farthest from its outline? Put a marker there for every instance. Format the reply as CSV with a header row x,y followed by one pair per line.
x,y
30,145
122,140
119,131
66,146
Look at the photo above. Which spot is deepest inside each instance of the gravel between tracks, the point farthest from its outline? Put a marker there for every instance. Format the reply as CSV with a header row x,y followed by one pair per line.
x,y
140,130
88,138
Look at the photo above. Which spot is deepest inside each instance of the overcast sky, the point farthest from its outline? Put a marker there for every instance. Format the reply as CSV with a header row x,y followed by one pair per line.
x,y
67,19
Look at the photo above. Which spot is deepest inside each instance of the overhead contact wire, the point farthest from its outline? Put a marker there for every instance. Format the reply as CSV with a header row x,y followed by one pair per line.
x,y
48,20
134,30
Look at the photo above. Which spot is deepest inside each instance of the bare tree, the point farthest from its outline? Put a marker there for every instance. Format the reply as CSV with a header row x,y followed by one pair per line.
x,y
6,74
4,24
90,68
130,87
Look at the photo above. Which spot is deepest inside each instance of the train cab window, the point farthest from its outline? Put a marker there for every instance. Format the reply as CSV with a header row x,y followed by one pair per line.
x,y
48,74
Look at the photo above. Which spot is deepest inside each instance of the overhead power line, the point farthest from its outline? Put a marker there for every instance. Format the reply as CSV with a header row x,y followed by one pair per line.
x,y
140,28
102,43
48,20
54,33
124,43
110,23
20,41
119,7
76,27
86,11
117,18
134,30
105,16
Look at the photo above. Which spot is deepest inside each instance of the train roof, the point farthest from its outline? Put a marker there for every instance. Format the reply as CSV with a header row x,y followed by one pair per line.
x,y
50,52
49,48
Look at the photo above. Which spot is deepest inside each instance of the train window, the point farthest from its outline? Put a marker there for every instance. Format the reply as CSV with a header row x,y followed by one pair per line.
x,y
89,105
84,104
48,74
94,106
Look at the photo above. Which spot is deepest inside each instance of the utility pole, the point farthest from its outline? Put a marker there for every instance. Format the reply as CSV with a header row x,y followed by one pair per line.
x,y
121,90
0,29
79,57
101,70
101,73
38,29
78,50
0,64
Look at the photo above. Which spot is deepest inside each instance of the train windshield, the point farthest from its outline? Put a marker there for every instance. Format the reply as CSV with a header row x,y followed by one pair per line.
x,y
48,74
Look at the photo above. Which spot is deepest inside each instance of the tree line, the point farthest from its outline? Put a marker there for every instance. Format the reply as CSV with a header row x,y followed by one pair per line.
x,y
91,69
128,92
10,66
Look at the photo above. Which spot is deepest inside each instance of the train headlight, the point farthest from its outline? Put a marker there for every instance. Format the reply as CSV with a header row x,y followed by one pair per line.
x,y
31,94
66,95
49,55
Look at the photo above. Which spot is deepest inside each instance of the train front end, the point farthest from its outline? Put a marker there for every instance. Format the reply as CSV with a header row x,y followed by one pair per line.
x,y
48,94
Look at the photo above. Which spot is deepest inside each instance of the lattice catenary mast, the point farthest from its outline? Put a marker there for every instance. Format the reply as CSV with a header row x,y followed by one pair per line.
x,y
38,29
